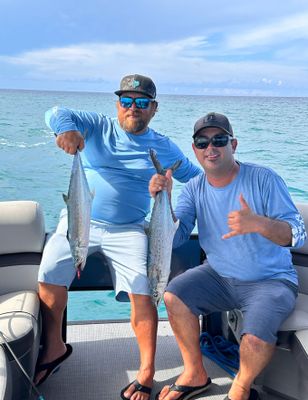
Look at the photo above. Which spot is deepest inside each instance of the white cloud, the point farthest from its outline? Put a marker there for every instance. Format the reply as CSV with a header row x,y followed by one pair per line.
x,y
186,63
94,60
290,28
267,81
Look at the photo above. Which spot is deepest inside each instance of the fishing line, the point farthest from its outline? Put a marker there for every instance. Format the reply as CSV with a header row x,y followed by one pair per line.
x,y
40,396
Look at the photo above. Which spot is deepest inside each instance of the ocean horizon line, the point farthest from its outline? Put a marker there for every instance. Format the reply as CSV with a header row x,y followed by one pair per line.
x,y
160,94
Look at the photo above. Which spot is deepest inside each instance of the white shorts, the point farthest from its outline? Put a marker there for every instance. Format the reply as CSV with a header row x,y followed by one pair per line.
x,y
124,246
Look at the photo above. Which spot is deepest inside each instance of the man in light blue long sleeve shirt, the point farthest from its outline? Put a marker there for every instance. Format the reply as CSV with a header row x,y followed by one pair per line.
x,y
247,223
115,156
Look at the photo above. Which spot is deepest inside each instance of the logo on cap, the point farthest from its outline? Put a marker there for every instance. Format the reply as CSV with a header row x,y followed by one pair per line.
x,y
136,84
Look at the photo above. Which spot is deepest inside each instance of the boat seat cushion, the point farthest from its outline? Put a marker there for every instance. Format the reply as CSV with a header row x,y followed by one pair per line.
x,y
298,319
22,228
19,313
300,346
22,238
5,377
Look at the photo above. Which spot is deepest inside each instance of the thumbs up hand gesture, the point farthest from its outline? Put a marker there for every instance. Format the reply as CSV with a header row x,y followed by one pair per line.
x,y
242,221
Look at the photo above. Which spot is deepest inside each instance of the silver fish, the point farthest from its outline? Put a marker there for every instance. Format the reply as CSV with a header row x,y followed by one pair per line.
x,y
79,204
161,233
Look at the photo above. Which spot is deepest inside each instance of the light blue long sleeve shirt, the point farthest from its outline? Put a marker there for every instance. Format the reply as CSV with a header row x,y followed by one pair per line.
x,y
245,257
117,163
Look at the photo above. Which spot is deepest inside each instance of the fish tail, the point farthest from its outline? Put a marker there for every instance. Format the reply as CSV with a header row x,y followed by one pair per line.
x,y
160,170
176,165
155,162
65,198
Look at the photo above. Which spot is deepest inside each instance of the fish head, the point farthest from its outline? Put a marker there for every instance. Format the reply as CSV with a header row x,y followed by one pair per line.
x,y
156,297
80,257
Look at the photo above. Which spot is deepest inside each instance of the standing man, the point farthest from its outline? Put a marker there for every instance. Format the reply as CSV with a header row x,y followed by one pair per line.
x,y
247,223
118,168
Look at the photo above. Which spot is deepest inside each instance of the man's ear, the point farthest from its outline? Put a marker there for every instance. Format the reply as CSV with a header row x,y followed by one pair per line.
x,y
234,144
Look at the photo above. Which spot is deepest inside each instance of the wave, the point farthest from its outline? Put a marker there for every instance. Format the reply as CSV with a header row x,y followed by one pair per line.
x,y
7,143
299,193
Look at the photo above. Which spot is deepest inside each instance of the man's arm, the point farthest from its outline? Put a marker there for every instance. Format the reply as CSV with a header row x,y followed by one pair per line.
x,y
246,221
70,127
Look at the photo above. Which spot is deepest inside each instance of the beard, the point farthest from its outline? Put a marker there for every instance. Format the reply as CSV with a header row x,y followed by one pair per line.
x,y
134,126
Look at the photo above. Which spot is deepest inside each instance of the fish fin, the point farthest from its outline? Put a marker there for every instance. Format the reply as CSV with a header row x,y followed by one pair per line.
x,y
155,162
160,170
177,223
176,165
65,198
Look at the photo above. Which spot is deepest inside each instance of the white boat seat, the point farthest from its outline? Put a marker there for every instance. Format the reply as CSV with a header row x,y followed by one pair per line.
x,y
22,227
298,319
19,320
5,376
22,237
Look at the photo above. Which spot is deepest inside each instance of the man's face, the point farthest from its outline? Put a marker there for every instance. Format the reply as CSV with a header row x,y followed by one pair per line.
x,y
215,160
135,120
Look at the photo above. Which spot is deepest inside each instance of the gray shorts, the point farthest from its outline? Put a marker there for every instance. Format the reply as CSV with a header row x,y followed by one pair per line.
x,y
124,246
265,304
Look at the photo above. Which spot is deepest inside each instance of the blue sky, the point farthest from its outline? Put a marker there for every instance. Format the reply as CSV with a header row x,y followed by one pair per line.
x,y
219,47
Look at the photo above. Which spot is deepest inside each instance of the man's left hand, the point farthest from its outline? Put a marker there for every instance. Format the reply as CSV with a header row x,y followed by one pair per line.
x,y
242,221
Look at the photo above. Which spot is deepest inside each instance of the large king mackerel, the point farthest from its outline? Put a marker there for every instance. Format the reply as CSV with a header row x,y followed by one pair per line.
x,y
161,233
79,204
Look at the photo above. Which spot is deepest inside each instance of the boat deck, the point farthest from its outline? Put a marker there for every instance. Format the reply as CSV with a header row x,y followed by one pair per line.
x,y
105,359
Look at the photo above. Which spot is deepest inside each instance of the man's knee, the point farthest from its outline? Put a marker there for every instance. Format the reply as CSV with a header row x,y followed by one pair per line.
x,y
172,302
53,296
254,343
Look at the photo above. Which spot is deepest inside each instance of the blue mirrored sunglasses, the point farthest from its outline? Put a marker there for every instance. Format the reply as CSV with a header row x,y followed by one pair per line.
x,y
141,102
220,140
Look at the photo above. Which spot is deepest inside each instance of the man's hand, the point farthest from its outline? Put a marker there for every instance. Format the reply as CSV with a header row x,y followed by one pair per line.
x,y
159,182
242,221
70,141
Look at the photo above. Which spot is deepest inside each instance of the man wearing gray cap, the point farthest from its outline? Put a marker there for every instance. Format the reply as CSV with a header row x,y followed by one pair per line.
x,y
118,169
247,223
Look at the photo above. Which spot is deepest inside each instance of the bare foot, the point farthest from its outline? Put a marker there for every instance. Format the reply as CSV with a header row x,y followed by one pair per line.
x,y
238,391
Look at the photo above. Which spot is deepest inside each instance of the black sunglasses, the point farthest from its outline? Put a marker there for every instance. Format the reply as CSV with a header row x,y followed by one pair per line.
x,y
141,102
219,140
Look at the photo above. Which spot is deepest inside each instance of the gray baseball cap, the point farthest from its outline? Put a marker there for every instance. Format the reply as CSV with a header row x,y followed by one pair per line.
x,y
137,83
213,119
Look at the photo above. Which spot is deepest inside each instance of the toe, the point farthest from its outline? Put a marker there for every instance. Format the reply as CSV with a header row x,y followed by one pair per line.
x,y
163,393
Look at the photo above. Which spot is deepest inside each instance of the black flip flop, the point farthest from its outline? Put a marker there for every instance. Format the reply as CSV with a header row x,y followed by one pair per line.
x,y
52,366
187,391
138,388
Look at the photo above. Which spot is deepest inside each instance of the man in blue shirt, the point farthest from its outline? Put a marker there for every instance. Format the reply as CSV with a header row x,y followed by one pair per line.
x,y
246,223
115,156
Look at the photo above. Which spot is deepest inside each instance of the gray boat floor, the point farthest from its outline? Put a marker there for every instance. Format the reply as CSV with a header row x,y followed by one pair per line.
x,y
105,359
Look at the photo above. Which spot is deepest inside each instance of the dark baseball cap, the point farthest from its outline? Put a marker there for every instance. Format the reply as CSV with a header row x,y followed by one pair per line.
x,y
213,119
137,83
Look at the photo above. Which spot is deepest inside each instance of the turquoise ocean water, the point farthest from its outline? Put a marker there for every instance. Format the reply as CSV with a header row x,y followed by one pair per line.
x,y
270,131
